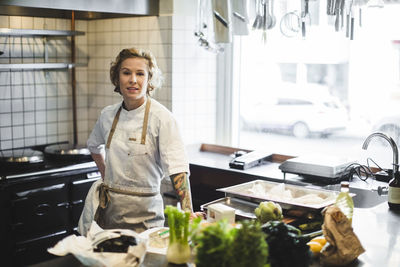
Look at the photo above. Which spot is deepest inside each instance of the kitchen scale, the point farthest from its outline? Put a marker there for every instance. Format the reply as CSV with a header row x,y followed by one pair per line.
x,y
319,167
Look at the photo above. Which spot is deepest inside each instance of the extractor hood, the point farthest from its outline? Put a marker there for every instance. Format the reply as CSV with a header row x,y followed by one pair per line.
x,y
84,9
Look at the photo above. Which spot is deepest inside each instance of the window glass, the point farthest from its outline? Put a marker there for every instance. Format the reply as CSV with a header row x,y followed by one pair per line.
x,y
323,93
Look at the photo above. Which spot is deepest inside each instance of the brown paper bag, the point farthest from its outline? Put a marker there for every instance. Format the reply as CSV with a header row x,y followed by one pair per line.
x,y
344,246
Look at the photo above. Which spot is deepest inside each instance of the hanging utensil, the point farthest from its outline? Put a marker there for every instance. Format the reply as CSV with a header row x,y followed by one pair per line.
x,y
221,19
239,17
290,24
265,21
268,18
347,7
351,24
201,27
358,5
337,14
304,15
221,11
271,15
330,7
259,18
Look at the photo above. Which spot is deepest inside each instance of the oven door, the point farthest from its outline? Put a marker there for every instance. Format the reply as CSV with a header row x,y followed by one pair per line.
x,y
39,210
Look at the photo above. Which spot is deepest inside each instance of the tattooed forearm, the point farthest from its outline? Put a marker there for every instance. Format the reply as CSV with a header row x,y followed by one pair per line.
x,y
181,185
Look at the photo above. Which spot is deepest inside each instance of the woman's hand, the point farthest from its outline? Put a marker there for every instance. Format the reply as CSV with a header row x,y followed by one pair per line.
x,y
197,214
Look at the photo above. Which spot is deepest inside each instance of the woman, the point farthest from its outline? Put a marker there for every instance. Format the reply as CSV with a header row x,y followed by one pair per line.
x,y
142,145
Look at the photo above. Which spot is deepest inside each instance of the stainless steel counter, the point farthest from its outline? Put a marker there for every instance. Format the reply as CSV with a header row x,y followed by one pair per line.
x,y
378,230
376,226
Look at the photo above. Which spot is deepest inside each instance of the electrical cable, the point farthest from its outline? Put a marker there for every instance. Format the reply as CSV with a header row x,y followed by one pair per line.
x,y
376,164
362,172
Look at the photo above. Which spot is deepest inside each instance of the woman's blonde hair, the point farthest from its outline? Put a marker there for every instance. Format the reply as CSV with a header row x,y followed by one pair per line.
x,y
155,75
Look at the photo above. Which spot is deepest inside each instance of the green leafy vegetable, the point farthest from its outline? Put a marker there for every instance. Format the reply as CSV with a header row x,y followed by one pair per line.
x,y
213,243
286,246
221,245
249,247
178,249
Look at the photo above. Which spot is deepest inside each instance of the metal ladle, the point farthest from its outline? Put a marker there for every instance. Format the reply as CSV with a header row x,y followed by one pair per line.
x,y
258,22
271,16
266,21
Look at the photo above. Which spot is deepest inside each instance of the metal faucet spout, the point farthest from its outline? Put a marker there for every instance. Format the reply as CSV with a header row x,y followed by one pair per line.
x,y
392,144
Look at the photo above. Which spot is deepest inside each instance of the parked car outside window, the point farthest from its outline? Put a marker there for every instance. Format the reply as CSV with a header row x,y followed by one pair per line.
x,y
300,110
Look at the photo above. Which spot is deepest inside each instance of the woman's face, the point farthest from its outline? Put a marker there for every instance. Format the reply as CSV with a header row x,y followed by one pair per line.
x,y
133,81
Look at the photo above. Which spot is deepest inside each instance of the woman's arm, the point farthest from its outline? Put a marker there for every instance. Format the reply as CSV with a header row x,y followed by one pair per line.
x,y
180,182
100,163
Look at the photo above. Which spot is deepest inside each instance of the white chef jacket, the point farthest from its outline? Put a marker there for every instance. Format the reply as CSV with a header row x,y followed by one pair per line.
x,y
135,167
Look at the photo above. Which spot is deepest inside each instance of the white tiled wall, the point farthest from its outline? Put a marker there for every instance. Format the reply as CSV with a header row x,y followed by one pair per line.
x,y
194,83
35,106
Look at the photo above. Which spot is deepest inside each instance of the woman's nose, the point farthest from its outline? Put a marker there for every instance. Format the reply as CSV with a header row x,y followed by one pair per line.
x,y
133,79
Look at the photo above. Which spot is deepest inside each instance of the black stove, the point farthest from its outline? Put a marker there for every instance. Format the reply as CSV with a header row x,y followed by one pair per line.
x,y
29,161
41,200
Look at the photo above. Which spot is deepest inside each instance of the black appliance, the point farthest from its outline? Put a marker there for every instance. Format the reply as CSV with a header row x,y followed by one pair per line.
x,y
41,199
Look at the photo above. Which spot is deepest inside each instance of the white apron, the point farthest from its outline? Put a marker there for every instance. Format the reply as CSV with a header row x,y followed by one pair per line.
x,y
129,197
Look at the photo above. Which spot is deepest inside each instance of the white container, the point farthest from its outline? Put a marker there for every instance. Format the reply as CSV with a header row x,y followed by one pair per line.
x,y
219,211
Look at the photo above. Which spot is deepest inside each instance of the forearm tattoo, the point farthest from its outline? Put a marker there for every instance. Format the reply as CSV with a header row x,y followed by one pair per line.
x,y
181,185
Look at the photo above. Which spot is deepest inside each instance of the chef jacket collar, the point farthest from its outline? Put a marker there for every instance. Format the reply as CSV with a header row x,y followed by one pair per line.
x,y
141,108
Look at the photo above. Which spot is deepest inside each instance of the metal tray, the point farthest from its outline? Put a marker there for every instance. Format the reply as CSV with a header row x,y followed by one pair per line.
x,y
244,191
243,209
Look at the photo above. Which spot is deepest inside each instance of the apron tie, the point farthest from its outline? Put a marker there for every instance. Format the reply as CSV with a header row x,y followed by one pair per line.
x,y
104,196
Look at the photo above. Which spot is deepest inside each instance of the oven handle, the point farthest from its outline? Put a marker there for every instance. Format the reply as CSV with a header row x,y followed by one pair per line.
x,y
42,209
76,202
92,175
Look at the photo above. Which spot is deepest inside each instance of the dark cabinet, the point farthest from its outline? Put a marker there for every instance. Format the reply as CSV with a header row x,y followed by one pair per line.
x,y
40,211
35,250
36,210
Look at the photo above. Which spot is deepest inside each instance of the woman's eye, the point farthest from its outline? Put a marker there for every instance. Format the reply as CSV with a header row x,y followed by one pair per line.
x,y
140,73
126,73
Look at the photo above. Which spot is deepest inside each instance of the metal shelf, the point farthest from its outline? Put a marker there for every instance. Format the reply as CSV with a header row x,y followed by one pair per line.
x,y
28,32
38,66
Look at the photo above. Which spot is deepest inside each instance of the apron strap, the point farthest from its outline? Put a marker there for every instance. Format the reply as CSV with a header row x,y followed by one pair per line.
x,y
145,122
114,125
144,128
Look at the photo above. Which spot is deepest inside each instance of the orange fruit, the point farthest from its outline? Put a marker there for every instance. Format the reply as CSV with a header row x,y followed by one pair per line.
x,y
320,239
315,247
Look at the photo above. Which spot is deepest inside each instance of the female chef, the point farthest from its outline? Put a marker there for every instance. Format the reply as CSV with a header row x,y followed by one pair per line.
x,y
142,145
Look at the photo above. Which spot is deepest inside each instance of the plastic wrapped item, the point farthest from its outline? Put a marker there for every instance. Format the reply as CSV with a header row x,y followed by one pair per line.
x,y
219,211
112,247
158,240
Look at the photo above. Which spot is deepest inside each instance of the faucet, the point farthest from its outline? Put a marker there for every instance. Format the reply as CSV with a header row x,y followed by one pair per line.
x,y
392,144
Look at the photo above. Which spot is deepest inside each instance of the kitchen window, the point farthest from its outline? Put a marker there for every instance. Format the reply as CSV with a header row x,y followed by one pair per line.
x,y
323,93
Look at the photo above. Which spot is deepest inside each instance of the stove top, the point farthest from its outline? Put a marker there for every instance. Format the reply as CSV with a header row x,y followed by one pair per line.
x,y
33,161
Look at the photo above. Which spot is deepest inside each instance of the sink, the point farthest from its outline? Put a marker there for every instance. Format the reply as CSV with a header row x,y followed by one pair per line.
x,y
367,198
